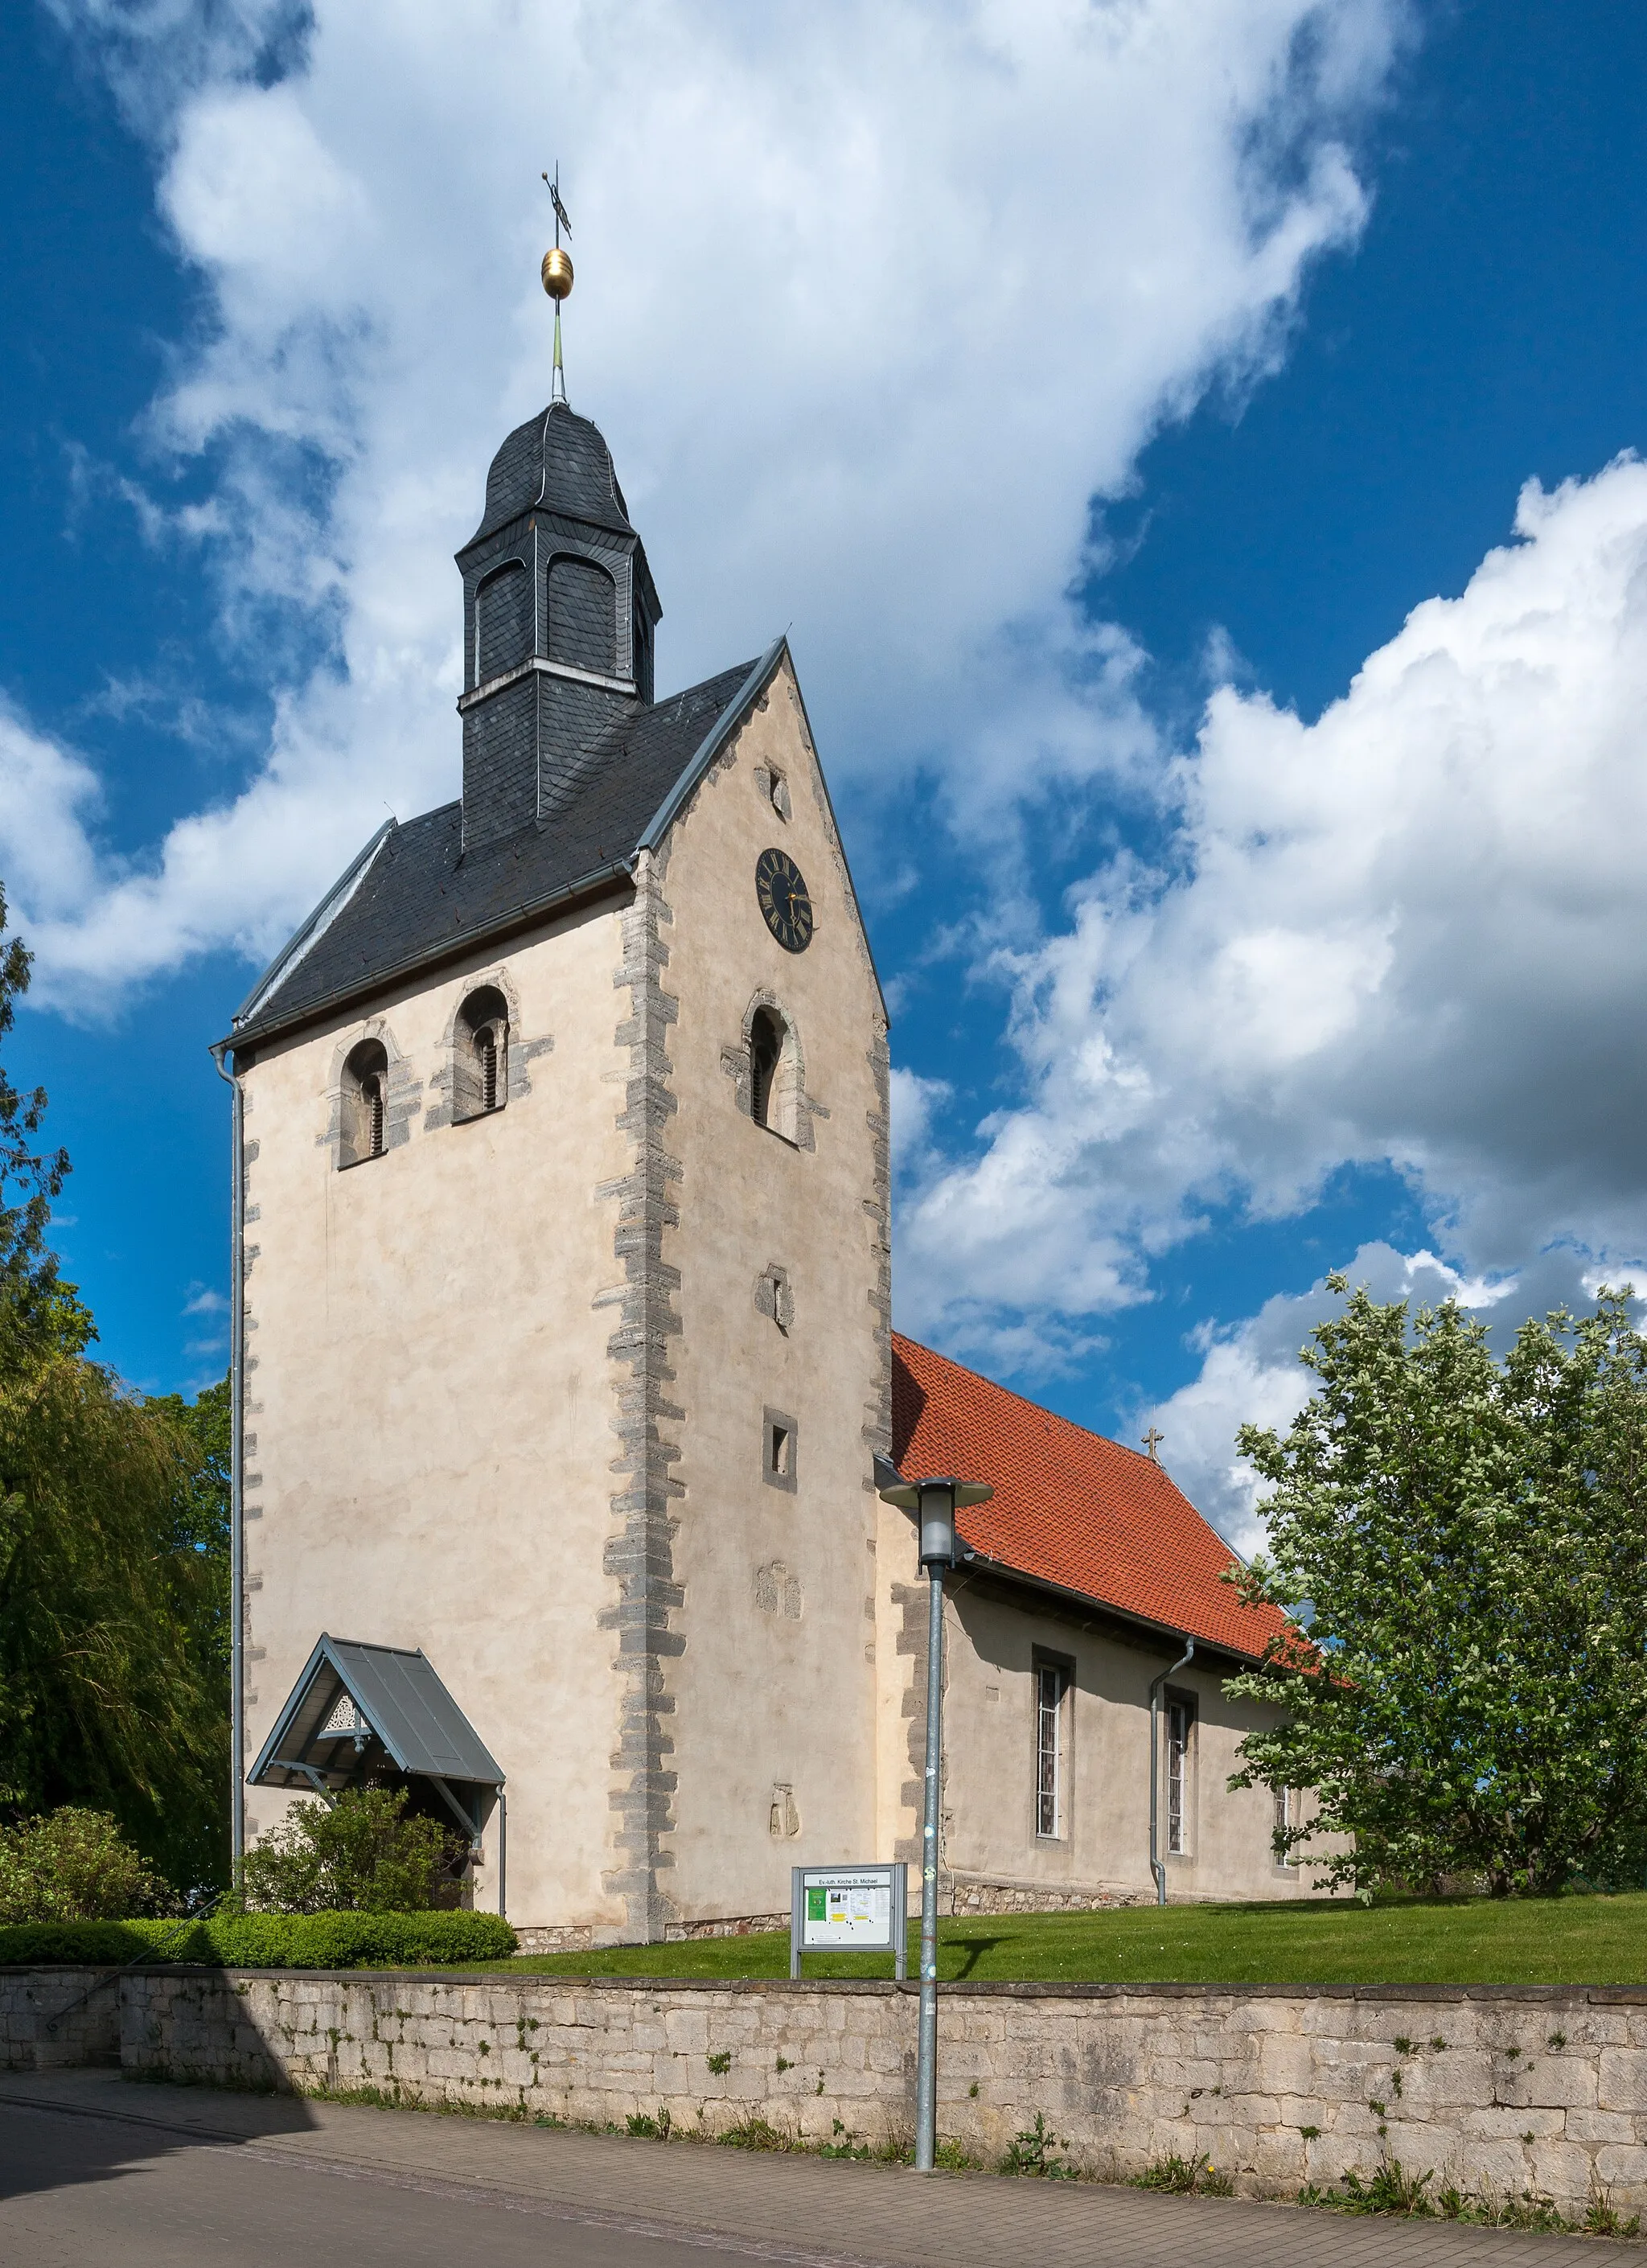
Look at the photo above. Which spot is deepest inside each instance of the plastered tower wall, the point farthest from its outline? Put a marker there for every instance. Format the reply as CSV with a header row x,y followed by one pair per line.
x,y
782,1301
429,1387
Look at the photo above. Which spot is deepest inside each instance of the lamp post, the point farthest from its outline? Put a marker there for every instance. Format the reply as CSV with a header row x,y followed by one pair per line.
x,y
935,1503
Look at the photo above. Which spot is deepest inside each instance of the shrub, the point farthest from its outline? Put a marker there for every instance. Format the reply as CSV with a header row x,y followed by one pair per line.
x,y
324,1941
362,1855
71,1865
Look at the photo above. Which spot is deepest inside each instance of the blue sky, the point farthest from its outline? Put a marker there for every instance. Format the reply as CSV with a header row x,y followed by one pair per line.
x,y
1175,376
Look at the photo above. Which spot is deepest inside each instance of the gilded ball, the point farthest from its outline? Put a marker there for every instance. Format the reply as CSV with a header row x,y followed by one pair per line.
x,y
557,273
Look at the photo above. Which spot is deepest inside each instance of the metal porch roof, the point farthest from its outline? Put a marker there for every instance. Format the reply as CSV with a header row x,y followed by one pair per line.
x,y
399,1697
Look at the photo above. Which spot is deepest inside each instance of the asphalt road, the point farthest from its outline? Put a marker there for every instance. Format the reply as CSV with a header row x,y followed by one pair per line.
x,y
96,2171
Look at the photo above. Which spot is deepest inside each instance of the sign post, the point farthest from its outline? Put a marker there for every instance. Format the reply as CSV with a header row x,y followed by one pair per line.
x,y
850,1910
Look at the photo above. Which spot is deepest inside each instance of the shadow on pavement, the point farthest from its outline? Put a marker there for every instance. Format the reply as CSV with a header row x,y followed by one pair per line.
x,y
65,2128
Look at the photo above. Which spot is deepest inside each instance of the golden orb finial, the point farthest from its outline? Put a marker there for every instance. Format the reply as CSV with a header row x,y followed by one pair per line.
x,y
557,272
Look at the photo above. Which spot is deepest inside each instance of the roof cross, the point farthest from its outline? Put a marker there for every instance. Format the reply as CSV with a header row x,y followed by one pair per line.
x,y
553,188
1152,1441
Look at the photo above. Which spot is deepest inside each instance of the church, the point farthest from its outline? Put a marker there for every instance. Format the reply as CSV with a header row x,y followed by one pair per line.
x,y
564,1352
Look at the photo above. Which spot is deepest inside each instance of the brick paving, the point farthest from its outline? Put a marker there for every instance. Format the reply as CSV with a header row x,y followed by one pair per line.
x,y
187,2173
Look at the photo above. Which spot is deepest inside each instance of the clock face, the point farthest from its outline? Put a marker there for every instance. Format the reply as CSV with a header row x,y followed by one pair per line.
x,y
785,907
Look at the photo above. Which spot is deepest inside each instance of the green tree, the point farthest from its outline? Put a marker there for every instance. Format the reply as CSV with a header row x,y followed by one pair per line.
x,y
364,1853
1473,1539
112,1692
200,1512
113,1524
39,1314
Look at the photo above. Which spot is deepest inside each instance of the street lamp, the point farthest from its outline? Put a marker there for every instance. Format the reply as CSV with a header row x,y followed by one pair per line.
x,y
934,1502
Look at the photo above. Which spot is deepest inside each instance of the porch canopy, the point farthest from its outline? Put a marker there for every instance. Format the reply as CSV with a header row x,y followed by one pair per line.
x,y
357,1707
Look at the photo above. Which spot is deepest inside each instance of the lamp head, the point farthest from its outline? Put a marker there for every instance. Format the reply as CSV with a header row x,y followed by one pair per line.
x,y
934,1502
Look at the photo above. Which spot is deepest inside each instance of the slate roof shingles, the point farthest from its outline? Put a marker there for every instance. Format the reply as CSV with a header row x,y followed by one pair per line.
x,y
1069,1507
421,894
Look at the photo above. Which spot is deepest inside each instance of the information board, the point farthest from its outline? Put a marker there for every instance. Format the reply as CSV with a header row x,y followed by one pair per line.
x,y
849,1909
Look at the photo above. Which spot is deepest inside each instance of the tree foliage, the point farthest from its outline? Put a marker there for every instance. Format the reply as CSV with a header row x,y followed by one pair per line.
x,y
39,1313
1473,1539
365,1853
113,1548
113,1691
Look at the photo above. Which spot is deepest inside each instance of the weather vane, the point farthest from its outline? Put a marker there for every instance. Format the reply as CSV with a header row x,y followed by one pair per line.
x,y
557,278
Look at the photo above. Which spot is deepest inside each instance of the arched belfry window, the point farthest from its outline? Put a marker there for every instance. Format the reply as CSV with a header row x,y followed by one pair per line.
x,y
583,616
767,1035
480,1054
503,629
364,1117
772,1074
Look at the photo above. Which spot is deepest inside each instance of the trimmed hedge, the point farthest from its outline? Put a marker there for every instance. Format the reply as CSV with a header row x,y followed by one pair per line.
x,y
323,1940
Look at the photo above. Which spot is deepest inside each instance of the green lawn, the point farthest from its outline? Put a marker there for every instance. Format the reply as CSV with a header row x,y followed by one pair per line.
x,y
1575,1940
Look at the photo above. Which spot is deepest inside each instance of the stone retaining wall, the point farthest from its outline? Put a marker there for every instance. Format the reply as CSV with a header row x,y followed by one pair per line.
x,y
59,2017
1512,2090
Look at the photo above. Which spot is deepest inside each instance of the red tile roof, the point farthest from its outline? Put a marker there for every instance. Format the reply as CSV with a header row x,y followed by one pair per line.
x,y
1069,1506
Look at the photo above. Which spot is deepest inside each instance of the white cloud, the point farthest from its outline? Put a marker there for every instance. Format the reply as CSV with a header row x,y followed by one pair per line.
x,y
871,300
47,797
1251,1373
1414,931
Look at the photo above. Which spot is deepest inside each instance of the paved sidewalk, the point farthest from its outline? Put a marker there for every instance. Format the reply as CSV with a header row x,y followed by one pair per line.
x,y
93,2167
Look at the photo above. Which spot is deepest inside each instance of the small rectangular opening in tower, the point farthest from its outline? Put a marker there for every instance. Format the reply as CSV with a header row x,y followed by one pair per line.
x,y
777,1448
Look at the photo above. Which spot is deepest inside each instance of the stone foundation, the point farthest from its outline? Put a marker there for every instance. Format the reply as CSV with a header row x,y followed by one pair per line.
x,y
552,1937
958,1894
1518,2091
976,1893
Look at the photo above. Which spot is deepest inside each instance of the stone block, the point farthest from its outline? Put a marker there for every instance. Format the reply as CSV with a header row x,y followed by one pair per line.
x,y
1460,2081
1620,2163
1278,2159
1286,2065
1590,2126
1503,2121
1329,2157
1492,2165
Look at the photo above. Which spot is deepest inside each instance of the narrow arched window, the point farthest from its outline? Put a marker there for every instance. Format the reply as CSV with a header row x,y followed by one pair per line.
x,y
503,625
583,611
363,1117
766,1053
479,1055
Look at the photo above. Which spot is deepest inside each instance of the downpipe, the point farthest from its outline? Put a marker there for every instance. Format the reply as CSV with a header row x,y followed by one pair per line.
x,y
237,1427
1158,1865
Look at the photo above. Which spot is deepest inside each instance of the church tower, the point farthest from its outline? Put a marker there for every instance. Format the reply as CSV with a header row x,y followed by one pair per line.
x,y
566,1322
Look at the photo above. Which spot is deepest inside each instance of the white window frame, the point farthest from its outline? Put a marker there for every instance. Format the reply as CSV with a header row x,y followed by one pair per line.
x,y
1181,1737
1052,1695
1286,1815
